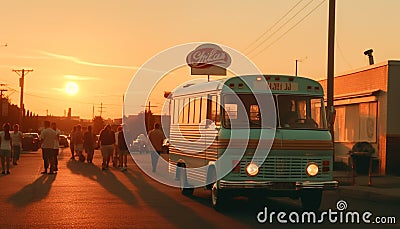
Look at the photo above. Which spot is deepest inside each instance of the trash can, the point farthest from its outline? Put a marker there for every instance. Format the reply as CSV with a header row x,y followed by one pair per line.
x,y
361,154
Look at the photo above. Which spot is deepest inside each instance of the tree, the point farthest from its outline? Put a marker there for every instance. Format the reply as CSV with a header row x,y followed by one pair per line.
x,y
98,124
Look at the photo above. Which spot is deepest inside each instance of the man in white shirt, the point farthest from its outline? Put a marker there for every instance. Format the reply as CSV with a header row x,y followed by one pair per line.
x,y
48,136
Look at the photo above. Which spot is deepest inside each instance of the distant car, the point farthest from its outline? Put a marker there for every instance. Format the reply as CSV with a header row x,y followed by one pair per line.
x,y
139,145
63,141
30,141
97,145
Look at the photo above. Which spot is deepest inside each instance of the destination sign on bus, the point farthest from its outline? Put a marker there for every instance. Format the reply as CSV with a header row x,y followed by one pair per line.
x,y
283,86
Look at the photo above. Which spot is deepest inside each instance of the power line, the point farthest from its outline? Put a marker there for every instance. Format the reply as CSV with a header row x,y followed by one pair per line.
x,y
277,39
276,24
342,54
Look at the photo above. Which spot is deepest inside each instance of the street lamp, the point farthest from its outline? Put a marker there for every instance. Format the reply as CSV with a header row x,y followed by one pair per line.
x,y
299,60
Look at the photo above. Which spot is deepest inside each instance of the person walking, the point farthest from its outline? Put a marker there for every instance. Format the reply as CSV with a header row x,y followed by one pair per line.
x,y
123,151
89,141
48,137
78,140
56,145
5,148
16,138
116,158
156,138
107,140
72,143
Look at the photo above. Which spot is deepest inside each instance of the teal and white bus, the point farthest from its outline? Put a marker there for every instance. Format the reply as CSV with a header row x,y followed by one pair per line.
x,y
208,124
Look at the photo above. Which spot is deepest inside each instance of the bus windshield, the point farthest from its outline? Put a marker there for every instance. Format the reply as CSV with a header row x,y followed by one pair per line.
x,y
301,112
243,111
293,112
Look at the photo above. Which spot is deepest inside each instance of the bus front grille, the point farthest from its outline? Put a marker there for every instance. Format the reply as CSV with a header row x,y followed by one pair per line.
x,y
284,168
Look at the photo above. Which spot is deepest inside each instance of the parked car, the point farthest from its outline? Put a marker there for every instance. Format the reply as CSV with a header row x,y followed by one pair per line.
x,y
97,144
165,146
30,141
63,141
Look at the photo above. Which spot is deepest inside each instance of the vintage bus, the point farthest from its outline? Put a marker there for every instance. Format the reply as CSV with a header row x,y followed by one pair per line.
x,y
207,124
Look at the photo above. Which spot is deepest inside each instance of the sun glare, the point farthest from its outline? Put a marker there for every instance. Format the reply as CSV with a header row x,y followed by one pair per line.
x,y
71,88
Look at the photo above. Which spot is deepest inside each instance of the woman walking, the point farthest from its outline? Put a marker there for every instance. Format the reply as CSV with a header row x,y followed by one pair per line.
x,y
123,151
5,148
16,138
72,142
89,141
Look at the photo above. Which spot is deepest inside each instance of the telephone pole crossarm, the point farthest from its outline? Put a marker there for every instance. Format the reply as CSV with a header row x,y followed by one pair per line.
x,y
22,73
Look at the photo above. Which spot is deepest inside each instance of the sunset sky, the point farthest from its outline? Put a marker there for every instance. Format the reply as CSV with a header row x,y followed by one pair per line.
x,y
99,44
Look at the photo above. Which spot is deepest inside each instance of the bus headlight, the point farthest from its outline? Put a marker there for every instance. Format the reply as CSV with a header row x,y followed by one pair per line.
x,y
252,169
312,169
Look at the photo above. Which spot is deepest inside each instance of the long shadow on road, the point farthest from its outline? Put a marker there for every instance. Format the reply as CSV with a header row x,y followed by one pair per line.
x,y
166,206
105,178
33,192
245,210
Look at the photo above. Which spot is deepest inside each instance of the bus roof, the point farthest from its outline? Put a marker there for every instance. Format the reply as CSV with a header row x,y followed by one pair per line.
x,y
278,84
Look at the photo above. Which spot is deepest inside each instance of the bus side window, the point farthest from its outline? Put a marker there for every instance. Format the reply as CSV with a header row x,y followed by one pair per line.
x,y
213,109
203,108
192,110
197,111
217,111
176,111
184,111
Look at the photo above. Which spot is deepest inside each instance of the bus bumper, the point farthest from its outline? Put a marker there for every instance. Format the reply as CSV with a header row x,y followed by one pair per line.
x,y
325,185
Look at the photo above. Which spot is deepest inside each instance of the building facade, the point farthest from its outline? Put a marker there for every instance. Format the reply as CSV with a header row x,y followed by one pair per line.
x,y
367,104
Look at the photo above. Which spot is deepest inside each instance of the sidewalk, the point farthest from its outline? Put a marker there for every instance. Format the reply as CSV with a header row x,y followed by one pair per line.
x,y
382,188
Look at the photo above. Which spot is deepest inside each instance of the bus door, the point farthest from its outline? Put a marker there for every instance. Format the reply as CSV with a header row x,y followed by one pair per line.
x,y
212,127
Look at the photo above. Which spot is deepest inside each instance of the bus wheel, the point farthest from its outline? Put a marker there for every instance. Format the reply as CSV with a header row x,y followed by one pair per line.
x,y
211,178
311,199
186,188
187,191
217,198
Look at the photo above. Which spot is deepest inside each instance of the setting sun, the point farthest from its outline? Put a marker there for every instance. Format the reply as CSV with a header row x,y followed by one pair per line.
x,y
71,88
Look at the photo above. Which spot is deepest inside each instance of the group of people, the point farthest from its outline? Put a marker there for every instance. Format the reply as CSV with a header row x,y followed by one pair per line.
x,y
82,139
10,146
112,145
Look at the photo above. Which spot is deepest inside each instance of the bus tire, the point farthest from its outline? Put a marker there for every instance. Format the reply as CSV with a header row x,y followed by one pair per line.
x,y
187,191
311,199
211,178
218,199
186,188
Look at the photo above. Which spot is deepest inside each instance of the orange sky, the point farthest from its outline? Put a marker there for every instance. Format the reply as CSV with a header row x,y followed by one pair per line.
x,y
100,44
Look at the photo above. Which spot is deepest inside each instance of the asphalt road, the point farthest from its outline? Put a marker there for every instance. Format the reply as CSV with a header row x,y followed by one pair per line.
x,y
83,196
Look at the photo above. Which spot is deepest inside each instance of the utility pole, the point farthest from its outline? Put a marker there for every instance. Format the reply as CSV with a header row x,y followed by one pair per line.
x,y
123,106
2,90
22,73
101,109
147,114
331,68
1,98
